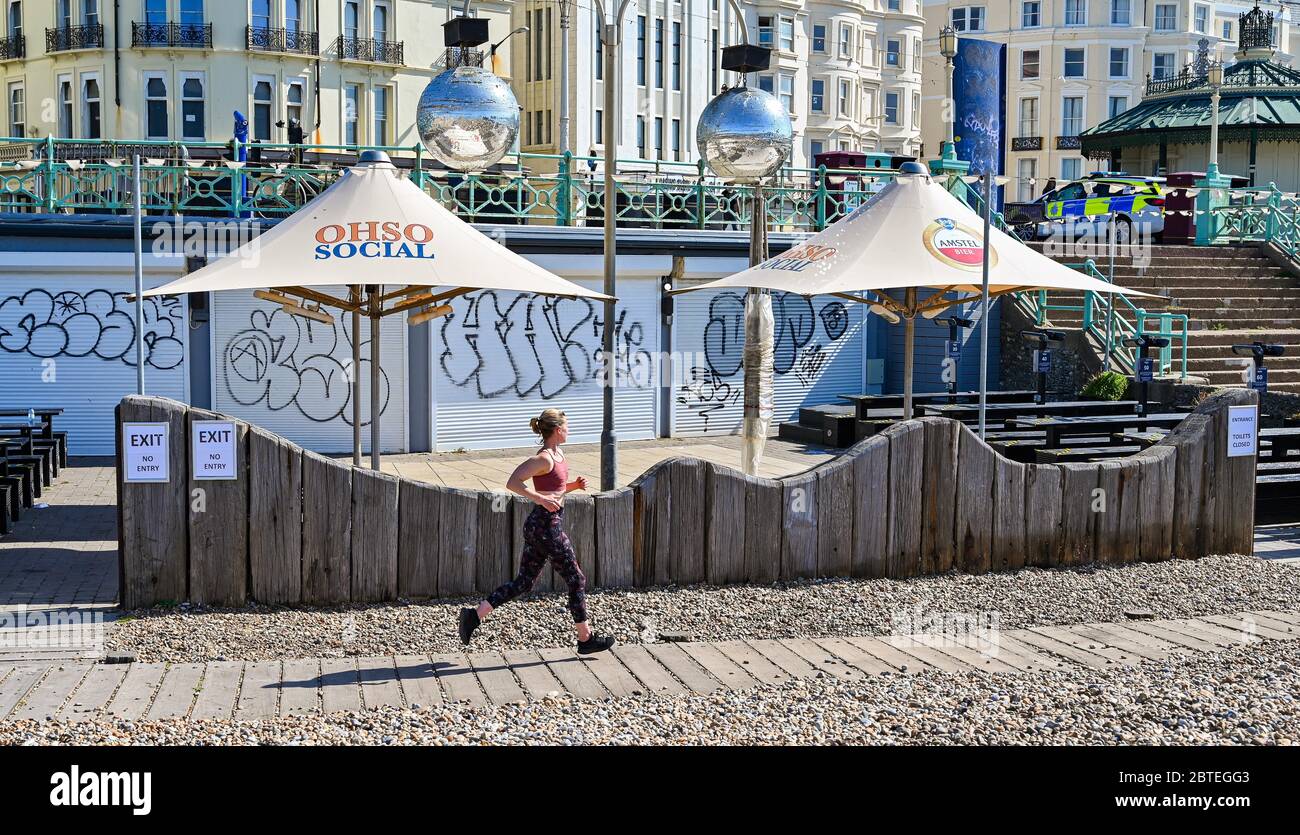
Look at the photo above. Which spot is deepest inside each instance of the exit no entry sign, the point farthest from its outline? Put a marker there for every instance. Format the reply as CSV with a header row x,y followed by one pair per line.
x,y
214,454
145,452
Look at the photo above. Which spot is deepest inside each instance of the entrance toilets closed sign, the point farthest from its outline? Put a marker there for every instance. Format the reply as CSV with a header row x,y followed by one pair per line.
x,y
1242,434
145,452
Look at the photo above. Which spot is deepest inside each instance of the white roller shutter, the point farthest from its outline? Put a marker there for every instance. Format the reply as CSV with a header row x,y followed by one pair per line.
x,y
67,339
818,356
501,358
289,375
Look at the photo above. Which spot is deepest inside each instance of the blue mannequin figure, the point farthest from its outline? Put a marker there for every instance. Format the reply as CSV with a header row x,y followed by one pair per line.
x,y
241,155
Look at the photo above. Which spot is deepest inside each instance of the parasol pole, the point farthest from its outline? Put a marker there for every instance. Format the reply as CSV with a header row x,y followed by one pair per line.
x,y
754,428
909,351
139,275
984,305
374,376
356,376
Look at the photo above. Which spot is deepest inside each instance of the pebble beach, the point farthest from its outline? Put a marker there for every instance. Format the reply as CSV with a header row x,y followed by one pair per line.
x,y
1245,696
813,609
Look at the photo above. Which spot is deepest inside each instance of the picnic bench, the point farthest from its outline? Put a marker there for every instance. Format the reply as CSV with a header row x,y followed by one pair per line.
x,y
967,412
1056,428
33,444
47,431
1085,454
1281,441
19,473
866,404
31,455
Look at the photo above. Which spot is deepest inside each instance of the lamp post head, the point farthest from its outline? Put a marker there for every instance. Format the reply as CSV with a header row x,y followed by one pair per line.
x,y
948,42
467,118
744,135
1215,75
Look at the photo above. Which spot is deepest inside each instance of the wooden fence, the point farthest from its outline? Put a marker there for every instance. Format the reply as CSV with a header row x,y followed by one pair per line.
x,y
923,497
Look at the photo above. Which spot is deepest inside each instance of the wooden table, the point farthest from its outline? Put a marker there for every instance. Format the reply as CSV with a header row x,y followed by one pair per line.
x,y
1002,411
865,403
1281,439
24,428
1059,427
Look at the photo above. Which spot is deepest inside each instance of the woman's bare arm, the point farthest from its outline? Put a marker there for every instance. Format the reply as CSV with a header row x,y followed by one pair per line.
x,y
518,482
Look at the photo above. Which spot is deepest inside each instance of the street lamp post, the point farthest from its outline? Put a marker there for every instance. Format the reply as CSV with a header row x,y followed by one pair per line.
x,y
1215,76
744,136
948,49
492,50
609,38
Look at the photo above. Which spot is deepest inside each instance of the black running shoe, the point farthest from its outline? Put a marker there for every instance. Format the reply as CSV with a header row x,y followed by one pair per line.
x,y
469,621
596,643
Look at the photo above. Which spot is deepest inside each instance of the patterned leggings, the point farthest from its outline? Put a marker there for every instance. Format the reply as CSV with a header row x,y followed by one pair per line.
x,y
545,539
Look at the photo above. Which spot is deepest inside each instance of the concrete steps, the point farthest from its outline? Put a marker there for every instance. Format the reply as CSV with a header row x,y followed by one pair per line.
x,y
1230,295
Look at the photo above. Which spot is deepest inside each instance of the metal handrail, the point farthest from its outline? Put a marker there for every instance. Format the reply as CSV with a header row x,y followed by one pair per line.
x,y
199,178
1099,314
1100,318
1263,215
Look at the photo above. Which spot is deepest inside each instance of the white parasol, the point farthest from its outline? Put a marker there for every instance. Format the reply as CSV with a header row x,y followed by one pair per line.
x,y
372,228
912,235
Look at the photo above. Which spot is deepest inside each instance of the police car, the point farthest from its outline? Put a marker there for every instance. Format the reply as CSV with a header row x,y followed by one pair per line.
x,y
1134,204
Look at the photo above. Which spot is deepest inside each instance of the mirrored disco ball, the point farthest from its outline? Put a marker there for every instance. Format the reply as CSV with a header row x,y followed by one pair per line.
x,y
467,118
744,134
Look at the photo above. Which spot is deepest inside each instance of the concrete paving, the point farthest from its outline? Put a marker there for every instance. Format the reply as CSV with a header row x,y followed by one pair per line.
x,y
489,469
1278,542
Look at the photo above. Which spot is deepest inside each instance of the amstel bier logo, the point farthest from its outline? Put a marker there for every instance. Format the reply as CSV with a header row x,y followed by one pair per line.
x,y
956,245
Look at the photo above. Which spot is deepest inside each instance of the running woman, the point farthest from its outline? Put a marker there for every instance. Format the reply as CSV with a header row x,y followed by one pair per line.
x,y
544,536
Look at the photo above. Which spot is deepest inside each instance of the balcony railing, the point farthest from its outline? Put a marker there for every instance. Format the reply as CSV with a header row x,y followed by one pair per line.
x,y
263,39
67,38
370,50
11,48
1068,143
1027,143
459,56
187,35
1170,83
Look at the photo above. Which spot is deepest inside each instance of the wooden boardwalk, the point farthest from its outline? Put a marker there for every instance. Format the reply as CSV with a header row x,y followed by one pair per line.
x,y
75,690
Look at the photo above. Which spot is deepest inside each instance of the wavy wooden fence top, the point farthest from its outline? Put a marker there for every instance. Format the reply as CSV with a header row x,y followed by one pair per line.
x,y
924,496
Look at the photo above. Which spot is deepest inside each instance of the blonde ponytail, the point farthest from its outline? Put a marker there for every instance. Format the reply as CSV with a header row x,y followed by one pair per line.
x,y
547,422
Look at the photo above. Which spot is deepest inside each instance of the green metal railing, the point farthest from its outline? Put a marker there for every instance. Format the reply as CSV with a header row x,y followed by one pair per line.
x,y
1110,327
972,197
1263,215
1100,318
198,178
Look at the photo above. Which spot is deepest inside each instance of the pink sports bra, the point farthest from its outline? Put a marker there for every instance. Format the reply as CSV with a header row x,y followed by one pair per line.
x,y
556,480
